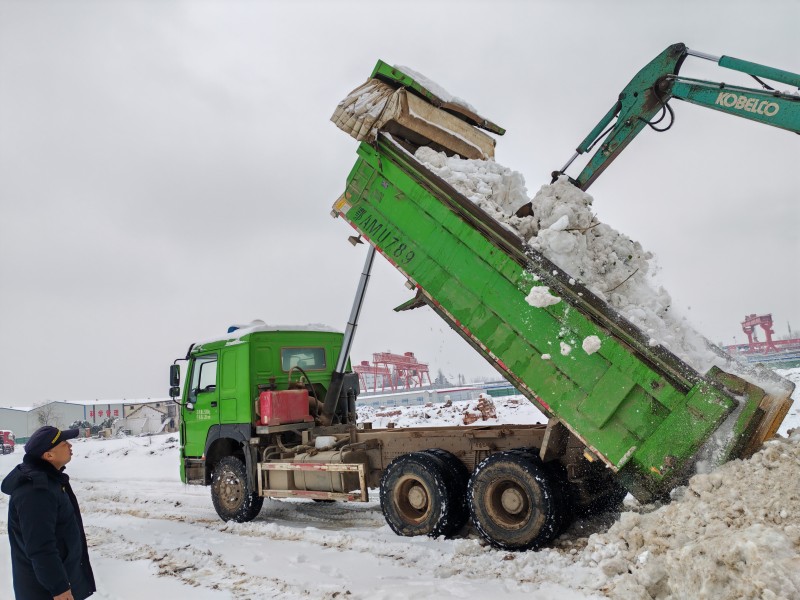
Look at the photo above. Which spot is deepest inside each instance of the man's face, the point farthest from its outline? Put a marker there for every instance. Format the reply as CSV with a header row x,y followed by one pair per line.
x,y
60,455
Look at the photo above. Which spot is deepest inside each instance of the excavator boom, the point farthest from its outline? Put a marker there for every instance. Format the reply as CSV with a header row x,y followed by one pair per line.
x,y
645,102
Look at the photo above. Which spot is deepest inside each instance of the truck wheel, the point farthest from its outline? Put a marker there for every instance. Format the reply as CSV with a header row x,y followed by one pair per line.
x,y
233,498
457,475
512,501
415,498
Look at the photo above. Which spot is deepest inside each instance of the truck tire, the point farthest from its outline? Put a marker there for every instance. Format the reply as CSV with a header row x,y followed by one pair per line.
x,y
513,502
457,476
415,498
233,498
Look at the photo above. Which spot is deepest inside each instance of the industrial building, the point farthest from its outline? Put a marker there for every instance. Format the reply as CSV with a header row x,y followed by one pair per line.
x,y
24,420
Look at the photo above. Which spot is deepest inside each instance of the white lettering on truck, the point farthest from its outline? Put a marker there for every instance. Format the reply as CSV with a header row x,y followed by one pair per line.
x,y
742,102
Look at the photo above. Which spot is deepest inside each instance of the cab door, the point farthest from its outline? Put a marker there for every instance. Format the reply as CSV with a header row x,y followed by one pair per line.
x,y
203,397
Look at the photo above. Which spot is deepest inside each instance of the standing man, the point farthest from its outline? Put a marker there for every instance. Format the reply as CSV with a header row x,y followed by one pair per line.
x,y
49,556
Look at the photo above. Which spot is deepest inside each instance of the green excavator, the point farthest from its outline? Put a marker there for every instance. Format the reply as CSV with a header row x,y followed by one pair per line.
x,y
645,103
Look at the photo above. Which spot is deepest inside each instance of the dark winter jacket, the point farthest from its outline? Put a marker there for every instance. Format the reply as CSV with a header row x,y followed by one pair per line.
x,y
48,545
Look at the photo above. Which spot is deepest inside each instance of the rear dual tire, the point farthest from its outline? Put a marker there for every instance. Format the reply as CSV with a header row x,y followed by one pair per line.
x,y
423,493
515,502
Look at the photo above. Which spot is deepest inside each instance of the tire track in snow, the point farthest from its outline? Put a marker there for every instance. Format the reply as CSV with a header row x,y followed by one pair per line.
x,y
352,528
202,568
465,558
145,503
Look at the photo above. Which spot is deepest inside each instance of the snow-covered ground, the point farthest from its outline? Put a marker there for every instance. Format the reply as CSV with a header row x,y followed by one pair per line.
x,y
733,533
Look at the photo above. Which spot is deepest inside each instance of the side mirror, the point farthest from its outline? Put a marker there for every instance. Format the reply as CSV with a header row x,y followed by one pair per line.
x,y
174,377
174,392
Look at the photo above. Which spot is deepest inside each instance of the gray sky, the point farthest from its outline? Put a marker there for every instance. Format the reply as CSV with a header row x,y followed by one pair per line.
x,y
167,168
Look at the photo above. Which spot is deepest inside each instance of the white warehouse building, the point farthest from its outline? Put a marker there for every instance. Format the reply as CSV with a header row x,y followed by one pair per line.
x,y
24,420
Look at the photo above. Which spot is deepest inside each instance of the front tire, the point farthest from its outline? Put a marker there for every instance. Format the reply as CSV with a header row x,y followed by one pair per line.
x,y
233,497
513,501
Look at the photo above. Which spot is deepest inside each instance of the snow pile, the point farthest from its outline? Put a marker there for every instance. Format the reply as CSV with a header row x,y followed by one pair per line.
x,y
591,344
496,189
540,297
732,533
516,410
612,266
564,229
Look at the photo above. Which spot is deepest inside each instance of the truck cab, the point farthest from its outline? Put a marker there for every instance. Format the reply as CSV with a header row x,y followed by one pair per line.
x,y
249,384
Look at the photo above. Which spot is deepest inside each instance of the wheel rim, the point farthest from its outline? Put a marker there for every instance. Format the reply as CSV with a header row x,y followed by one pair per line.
x,y
230,490
508,504
412,499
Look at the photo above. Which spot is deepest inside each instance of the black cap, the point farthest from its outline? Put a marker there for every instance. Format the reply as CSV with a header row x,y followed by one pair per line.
x,y
46,438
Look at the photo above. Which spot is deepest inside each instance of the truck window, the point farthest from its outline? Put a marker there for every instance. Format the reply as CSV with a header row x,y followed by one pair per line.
x,y
204,374
308,359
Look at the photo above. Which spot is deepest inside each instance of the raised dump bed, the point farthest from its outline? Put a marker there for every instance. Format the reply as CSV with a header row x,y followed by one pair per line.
x,y
637,407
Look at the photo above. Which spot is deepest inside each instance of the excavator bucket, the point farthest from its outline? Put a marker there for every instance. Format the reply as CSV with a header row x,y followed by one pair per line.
x,y
397,101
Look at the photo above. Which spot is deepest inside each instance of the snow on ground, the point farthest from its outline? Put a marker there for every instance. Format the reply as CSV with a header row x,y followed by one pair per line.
x,y
733,533
514,409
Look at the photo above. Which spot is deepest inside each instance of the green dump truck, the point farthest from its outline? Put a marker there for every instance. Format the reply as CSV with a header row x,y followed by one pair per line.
x,y
270,411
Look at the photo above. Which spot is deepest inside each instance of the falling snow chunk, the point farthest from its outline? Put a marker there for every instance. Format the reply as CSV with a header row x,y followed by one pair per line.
x,y
546,357
540,297
565,349
591,344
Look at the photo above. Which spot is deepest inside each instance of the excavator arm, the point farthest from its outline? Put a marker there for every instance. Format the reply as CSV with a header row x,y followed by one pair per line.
x,y
645,102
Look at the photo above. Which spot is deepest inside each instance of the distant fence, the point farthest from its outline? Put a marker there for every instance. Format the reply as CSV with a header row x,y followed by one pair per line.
x,y
422,396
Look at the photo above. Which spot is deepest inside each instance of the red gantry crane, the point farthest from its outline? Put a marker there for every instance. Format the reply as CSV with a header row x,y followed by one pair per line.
x,y
749,325
394,370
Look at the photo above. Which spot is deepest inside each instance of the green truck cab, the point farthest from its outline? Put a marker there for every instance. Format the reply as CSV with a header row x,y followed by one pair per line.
x,y
224,378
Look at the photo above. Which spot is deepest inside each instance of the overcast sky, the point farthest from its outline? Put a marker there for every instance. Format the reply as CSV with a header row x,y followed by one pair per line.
x,y
168,168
